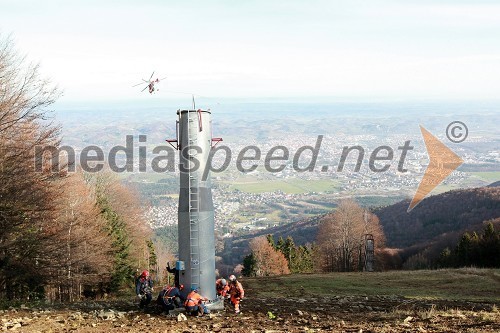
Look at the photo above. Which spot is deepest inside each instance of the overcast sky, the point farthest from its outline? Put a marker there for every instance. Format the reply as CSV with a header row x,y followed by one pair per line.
x,y
97,50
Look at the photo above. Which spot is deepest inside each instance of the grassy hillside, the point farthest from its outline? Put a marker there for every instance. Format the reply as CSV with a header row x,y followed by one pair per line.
x,y
466,284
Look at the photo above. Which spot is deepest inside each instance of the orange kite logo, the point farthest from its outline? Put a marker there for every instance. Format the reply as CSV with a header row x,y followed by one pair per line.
x,y
442,162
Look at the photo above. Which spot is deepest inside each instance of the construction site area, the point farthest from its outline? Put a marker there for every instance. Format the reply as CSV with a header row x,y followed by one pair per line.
x,y
403,302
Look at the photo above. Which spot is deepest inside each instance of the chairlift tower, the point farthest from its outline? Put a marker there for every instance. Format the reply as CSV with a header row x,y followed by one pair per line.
x,y
369,253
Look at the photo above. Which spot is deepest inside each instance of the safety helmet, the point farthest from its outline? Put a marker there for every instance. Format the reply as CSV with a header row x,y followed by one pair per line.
x,y
145,273
232,278
223,282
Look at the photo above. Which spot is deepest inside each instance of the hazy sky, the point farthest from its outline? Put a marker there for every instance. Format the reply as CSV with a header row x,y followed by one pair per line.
x,y
97,50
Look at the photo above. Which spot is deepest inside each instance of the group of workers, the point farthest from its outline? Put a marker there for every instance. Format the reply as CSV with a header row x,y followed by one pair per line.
x,y
234,290
171,297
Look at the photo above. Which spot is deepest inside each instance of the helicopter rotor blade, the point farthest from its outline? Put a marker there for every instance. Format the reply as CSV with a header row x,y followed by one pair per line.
x,y
163,78
138,84
151,76
144,88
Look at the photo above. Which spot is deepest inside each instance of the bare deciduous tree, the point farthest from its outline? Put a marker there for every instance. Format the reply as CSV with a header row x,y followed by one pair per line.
x,y
78,251
342,234
268,261
26,196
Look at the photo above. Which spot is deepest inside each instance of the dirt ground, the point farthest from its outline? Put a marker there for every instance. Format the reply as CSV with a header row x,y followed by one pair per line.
x,y
328,314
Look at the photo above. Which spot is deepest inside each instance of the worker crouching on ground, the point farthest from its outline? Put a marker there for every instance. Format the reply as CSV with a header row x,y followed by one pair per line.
x,y
144,289
170,298
194,304
221,287
237,293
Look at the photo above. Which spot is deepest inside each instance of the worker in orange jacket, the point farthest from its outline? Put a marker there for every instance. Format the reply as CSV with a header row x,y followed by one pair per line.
x,y
237,293
194,303
221,287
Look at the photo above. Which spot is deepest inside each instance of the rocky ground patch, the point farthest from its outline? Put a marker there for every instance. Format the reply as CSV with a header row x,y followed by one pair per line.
x,y
308,314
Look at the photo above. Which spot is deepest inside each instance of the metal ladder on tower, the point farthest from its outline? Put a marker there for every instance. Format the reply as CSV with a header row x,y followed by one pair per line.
x,y
193,204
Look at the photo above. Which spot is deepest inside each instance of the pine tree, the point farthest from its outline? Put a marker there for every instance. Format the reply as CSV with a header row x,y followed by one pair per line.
x,y
280,245
270,239
249,266
152,258
489,247
463,249
122,270
447,258
305,262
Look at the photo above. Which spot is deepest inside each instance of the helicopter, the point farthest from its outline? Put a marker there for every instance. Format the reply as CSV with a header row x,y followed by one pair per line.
x,y
150,84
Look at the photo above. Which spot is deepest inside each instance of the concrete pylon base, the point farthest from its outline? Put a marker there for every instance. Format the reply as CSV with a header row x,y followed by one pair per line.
x,y
217,304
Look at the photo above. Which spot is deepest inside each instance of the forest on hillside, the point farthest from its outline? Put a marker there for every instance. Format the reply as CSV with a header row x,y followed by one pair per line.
x,y
453,211
435,230
63,235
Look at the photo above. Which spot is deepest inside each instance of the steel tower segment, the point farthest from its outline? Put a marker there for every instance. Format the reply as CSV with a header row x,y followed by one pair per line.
x,y
196,212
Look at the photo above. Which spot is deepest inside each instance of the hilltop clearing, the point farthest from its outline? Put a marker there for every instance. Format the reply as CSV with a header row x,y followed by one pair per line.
x,y
418,301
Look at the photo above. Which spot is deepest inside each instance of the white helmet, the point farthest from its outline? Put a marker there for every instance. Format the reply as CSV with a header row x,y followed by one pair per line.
x,y
232,278
223,282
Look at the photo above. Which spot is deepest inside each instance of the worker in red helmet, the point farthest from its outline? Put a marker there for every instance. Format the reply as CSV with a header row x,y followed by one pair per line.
x,y
237,293
144,289
221,287
195,303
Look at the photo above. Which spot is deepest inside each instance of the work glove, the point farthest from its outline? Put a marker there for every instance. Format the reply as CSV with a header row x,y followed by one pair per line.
x,y
139,297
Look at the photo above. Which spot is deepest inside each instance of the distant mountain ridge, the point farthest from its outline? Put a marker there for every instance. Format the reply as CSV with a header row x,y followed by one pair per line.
x,y
495,184
453,211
